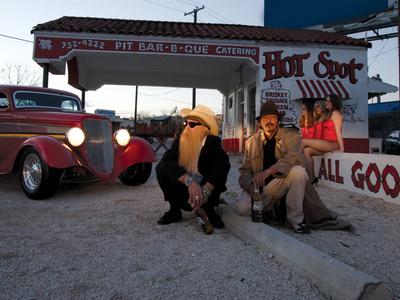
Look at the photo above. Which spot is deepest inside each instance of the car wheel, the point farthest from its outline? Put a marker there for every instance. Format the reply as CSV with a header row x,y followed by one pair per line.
x,y
384,150
136,174
38,180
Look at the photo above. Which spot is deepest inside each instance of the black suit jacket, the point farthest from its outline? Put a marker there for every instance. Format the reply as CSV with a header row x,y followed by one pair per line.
x,y
213,163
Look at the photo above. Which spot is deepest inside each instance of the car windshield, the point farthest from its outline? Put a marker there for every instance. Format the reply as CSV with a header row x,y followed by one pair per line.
x,y
37,99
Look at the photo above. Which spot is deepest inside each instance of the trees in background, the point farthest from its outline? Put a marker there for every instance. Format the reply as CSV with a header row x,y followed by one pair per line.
x,y
20,74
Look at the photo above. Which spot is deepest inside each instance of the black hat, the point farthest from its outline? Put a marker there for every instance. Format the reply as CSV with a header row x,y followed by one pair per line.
x,y
269,108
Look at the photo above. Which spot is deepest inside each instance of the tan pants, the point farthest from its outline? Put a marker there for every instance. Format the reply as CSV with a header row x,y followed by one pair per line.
x,y
292,186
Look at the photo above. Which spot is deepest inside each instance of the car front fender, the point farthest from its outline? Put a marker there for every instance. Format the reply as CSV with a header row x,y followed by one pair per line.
x,y
138,150
54,152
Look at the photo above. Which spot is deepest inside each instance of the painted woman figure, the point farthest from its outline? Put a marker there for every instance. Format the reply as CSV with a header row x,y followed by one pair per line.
x,y
332,140
307,121
321,111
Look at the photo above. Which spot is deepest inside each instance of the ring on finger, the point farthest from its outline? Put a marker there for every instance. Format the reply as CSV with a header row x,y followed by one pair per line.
x,y
197,197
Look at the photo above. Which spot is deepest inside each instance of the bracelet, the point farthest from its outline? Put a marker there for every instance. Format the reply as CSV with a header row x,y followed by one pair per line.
x,y
183,178
206,193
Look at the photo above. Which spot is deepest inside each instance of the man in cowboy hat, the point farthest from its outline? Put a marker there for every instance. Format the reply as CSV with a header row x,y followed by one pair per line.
x,y
193,172
272,161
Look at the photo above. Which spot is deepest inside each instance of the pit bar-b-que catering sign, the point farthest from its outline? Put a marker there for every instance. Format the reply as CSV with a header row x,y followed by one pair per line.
x,y
55,48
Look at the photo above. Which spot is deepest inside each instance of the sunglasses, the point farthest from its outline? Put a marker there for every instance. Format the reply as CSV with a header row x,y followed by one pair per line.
x,y
191,124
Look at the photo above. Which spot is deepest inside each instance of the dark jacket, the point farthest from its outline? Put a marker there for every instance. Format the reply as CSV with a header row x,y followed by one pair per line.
x,y
213,163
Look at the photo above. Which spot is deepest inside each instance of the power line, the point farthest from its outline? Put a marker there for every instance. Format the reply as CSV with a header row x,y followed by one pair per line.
x,y
164,6
380,52
371,57
149,95
155,95
215,13
15,38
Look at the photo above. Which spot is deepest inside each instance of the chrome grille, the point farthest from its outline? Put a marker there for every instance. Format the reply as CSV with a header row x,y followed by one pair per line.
x,y
99,144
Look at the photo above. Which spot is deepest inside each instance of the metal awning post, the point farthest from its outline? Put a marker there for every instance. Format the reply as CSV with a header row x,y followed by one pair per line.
x,y
45,75
136,100
83,95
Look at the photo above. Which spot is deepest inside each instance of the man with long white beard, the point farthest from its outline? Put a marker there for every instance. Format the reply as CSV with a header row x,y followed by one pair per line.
x,y
193,172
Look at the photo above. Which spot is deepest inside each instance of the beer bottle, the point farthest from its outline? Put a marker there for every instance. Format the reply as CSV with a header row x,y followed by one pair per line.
x,y
256,206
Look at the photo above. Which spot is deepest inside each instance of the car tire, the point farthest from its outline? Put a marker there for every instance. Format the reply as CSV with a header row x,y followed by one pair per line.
x,y
136,174
384,150
38,180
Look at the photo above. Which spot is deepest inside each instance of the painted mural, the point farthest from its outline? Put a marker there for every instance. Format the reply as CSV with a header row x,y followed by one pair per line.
x,y
297,74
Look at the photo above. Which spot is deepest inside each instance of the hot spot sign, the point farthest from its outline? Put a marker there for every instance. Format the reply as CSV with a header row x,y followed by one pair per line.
x,y
278,66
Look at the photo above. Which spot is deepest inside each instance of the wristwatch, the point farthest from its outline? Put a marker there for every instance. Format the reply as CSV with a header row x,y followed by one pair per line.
x,y
188,181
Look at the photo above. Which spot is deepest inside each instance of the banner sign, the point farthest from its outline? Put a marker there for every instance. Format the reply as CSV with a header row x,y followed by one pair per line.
x,y
55,48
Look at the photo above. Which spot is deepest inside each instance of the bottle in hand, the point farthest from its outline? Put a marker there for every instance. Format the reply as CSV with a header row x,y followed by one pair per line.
x,y
256,206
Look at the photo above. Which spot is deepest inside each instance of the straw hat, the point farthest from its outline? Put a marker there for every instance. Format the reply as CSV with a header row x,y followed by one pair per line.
x,y
269,108
203,115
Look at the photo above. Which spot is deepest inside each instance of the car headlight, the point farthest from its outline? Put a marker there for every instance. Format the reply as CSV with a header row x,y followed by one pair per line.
x,y
75,136
122,137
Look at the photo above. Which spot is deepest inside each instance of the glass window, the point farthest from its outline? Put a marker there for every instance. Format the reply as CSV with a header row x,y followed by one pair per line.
x,y
3,101
46,100
230,102
252,111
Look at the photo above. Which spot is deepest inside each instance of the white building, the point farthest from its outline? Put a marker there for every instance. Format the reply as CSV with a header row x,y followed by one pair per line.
x,y
247,64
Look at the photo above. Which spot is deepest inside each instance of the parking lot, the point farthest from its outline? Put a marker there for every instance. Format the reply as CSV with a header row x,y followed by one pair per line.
x,y
101,240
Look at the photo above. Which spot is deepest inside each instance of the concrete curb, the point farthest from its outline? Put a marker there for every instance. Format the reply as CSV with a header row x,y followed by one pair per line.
x,y
333,277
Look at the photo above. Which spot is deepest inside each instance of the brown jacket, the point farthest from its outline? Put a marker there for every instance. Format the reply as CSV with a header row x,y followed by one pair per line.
x,y
316,214
286,152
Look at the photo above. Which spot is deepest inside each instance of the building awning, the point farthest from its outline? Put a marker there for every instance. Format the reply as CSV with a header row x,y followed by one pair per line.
x,y
320,89
377,87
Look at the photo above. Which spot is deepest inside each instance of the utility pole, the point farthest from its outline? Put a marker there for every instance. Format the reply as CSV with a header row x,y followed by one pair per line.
x,y
194,12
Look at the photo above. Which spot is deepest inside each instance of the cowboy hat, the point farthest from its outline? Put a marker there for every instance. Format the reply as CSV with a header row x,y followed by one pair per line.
x,y
203,115
269,108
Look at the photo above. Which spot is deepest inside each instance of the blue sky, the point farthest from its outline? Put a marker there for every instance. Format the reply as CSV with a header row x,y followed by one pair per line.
x,y
19,17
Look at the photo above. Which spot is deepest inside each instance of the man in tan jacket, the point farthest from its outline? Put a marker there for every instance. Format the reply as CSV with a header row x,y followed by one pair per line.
x,y
272,161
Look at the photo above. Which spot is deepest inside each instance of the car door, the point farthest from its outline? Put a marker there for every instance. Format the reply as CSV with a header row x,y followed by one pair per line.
x,y
8,140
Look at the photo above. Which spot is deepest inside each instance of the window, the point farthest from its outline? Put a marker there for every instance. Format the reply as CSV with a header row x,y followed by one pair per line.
x,y
46,100
230,102
252,111
3,101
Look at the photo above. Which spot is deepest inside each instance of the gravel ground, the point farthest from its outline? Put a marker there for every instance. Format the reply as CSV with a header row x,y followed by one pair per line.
x,y
101,241
373,247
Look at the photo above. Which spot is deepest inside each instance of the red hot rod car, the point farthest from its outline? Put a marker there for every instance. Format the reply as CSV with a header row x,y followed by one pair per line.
x,y
45,135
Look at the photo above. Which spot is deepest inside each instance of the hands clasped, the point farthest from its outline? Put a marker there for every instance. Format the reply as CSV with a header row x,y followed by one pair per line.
x,y
198,195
